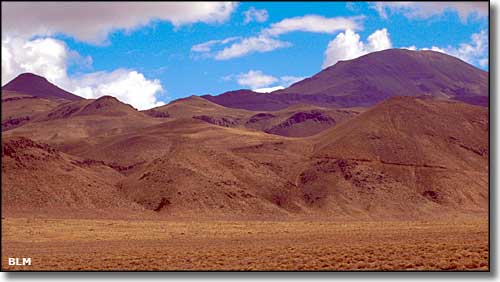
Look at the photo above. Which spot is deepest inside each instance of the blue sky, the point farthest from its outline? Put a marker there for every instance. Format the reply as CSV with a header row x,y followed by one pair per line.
x,y
161,51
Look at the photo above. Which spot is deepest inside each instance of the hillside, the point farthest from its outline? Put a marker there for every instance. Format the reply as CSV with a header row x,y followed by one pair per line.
x,y
298,120
406,157
372,78
81,122
19,108
37,178
398,160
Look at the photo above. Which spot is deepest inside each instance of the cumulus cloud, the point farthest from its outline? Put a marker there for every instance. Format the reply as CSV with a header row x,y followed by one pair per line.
x,y
425,10
313,23
253,14
91,22
50,58
128,86
347,45
267,40
47,57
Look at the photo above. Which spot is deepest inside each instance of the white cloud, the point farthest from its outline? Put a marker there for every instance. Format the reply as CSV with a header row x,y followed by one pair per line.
x,y
268,89
313,23
474,52
253,14
347,45
379,40
206,47
50,58
92,21
255,79
128,86
261,82
412,48
425,10
249,45
46,57
267,40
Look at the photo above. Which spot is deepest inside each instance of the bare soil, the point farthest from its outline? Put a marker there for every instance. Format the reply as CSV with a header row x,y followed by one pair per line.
x,y
77,244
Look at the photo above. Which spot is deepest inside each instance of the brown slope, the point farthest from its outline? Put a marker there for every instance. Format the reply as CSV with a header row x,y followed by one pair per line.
x,y
105,106
201,109
299,120
38,179
295,121
250,100
395,161
19,108
38,86
186,167
79,122
369,79
405,158
138,147
194,106
205,182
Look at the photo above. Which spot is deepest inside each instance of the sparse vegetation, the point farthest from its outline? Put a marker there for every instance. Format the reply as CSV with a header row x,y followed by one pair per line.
x,y
56,244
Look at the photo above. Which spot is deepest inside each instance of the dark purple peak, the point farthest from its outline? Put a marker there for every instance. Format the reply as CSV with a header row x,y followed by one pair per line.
x,y
39,86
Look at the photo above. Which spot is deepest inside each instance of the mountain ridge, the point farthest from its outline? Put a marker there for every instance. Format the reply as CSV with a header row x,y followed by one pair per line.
x,y
371,78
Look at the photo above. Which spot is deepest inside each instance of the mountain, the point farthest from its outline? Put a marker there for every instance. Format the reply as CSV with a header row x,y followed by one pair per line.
x,y
417,156
295,121
372,78
38,86
405,157
103,106
399,160
73,124
195,106
299,120
38,178
250,100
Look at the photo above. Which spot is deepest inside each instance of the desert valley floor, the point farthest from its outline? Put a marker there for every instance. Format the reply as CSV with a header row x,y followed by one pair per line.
x,y
72,244
340,171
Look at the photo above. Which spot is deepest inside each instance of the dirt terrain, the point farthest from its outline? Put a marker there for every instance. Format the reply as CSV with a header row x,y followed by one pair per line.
x,y
245,245
406,158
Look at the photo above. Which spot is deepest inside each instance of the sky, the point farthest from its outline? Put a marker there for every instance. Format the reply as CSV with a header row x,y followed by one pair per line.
x,y
148,54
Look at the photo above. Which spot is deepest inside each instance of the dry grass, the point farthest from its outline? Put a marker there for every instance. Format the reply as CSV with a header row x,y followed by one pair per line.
x,y
57,244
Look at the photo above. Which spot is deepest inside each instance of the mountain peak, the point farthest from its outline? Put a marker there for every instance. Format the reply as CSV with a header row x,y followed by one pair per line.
x,y
377,76
29,75
39,86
